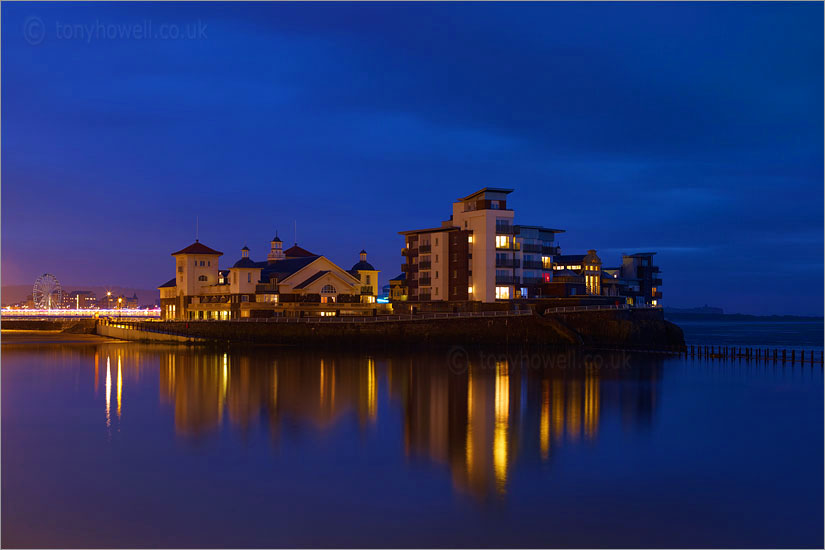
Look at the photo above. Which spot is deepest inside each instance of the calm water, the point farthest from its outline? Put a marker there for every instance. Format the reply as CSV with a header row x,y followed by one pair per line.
x,y
111,445
796,334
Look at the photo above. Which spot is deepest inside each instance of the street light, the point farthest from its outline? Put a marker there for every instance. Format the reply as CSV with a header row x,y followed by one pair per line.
x,y
119,301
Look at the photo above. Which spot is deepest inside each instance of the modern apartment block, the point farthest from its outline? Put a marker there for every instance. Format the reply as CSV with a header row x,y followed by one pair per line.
x,y
479,254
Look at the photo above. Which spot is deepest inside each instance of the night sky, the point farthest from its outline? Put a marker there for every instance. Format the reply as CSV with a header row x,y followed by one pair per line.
x,y
693,130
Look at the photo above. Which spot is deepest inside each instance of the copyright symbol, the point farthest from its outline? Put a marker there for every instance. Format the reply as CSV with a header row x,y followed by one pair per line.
x,y
457,360
34,31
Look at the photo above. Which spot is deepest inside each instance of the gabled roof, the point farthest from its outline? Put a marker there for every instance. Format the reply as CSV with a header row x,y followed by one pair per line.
x,y
296,251
281,269
402,277
198,248
169,283
565,273
314,277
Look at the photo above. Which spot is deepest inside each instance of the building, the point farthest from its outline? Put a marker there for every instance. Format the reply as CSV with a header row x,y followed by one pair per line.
x,y
292,282
80,299
643,279
479,254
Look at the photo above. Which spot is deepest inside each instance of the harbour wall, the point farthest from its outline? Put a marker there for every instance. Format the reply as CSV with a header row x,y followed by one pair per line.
x,y
630,329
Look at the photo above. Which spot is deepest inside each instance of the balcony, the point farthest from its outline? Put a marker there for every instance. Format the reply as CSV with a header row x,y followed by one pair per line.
x,y
511,245
551,250
657,295
408,268
532,248
644,272
507,262
531,281
424,249
656,282
424,281
504,229
366,290
424,265
407,252
531,264
424,297
508,280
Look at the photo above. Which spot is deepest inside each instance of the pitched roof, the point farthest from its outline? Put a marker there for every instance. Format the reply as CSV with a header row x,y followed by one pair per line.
x,y
281,269
198,248
402,277
309,280
169,283
296,251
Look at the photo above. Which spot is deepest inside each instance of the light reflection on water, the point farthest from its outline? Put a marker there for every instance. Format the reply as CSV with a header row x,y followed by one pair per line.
x,y
533,440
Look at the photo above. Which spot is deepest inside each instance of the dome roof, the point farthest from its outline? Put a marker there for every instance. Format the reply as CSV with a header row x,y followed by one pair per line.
x,y
244,262
245,248
276,239
363,266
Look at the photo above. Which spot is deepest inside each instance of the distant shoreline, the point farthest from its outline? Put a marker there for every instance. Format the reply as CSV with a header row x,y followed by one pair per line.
x,y
738,317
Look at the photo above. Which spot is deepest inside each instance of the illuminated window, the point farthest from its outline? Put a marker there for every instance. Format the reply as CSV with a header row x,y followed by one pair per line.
x,y
470,239
469,290
502,241
502,293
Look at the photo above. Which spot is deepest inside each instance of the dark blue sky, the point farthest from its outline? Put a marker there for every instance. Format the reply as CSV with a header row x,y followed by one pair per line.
x,y
694,130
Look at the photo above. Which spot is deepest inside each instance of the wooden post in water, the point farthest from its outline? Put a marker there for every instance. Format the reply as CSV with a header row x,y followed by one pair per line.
x,y
802,356
793,355
784,354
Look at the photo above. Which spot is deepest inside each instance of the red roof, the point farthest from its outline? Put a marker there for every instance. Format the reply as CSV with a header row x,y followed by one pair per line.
x,y
198,248
297,252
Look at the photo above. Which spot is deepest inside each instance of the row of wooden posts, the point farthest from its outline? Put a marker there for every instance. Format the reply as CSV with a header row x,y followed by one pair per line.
x,y
756,354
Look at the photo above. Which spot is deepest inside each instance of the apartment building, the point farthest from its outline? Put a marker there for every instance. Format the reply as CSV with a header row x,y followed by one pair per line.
x,y
479,254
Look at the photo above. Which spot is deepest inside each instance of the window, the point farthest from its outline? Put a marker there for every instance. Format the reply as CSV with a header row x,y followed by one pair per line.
x,y
436,276
202,278
436,241
469,290
180,269
502,241
523,292
245,298
502,293
369,280
470,239
436,291
249,277
328,289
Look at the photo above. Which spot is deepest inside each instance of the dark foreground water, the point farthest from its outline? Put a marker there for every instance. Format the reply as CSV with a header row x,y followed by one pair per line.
x,y
112,445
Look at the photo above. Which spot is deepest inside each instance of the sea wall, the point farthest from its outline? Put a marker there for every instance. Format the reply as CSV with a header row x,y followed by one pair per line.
x,y
627,329
73,326
114,331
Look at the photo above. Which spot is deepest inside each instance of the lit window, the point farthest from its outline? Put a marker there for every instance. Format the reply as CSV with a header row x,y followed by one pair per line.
x,y
470,239
502,241
469,290
502,293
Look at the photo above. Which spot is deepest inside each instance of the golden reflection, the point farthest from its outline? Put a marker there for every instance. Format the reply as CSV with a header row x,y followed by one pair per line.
x,y
558,409
591,403
119,385
108,392
544,421
372,391
469,443
479,424
97,374
502,410
573,410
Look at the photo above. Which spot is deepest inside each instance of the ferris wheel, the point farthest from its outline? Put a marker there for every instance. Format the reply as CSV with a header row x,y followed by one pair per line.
x,y
47,293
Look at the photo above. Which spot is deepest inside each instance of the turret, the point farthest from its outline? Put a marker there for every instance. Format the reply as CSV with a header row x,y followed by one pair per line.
x,y
276,251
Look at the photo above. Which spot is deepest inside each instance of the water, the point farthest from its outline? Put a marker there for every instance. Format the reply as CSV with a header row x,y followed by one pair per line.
x,y
794,334
125,444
